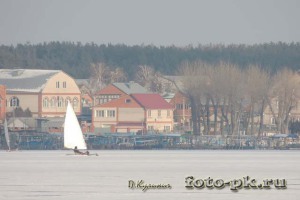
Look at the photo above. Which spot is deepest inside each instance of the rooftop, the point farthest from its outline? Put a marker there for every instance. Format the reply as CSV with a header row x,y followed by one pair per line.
x,y
130,87
152,101
25,80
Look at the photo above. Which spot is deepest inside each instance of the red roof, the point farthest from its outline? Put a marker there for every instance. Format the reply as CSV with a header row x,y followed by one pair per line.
x,y
152,101
110,89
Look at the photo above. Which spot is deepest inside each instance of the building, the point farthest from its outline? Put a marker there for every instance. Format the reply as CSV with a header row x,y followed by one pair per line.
x,y
116,90
44,93
2,102
171,84
84,87
120,115
182,111
277,114
158,112
134,113
21,123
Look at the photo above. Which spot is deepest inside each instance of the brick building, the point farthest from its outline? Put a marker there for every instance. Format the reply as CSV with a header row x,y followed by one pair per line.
x,y
2,102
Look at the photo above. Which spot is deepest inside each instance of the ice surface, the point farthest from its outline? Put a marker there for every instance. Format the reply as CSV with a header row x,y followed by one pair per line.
x,y
61,175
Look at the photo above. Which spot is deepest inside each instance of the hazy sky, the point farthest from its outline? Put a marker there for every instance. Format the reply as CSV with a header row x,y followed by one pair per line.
x,y
157,22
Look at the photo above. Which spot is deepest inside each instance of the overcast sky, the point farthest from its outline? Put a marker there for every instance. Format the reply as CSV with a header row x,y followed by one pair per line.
x,y
157,22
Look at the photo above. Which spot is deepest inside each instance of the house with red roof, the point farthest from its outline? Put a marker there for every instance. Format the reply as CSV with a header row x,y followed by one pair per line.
x,y
158,112
134,113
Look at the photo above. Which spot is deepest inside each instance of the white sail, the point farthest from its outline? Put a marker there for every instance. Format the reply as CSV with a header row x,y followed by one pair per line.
x,y
72,132
6,134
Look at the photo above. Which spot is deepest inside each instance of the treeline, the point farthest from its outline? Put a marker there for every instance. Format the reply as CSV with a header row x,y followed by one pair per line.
x,y
76,58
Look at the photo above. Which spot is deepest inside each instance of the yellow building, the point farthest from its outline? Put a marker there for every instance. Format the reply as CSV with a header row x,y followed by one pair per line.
x,y
44,92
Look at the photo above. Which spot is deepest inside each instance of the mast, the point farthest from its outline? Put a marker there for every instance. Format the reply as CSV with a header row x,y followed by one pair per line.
x,y
6,134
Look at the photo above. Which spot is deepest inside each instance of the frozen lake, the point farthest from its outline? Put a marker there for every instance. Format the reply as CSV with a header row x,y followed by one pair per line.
x,y
37,175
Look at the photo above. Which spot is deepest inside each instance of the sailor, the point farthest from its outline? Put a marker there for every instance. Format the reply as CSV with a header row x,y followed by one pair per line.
x,y
76,151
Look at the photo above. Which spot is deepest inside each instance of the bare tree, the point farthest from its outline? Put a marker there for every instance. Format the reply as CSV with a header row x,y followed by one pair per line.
x,y
118,75
196,83
149,78
100,76
232,94
213,87
256,89
284,93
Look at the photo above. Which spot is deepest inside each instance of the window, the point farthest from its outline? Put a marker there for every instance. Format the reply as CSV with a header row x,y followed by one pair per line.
x,y
57,84
179,106
150,128
273,121
46,102
103,113
52,102
110,113
149,113
168,113
68,99
167,128
127,100
60,102
99,113
159,113
64,84
14,102
75,102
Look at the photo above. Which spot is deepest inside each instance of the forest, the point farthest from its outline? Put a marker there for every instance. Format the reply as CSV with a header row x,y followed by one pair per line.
x,y
76,58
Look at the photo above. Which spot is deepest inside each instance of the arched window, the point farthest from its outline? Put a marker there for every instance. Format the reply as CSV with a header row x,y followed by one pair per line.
x,y
52,102
68,99
14,102
60,102
46,102
75,102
